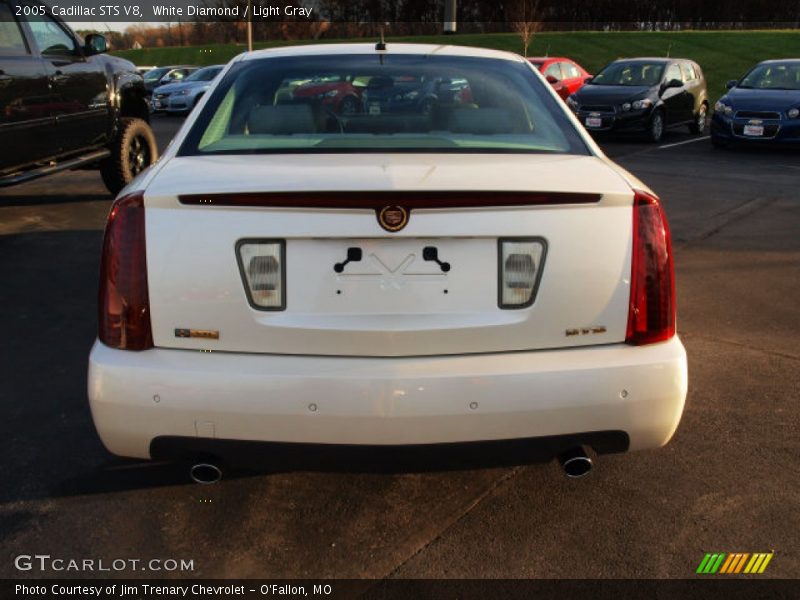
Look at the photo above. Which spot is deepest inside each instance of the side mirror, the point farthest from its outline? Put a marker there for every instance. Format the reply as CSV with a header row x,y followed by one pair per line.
x,y
731,84
95,43
551,79
674,83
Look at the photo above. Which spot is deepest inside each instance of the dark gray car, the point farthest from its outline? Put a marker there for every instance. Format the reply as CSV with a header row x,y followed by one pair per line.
x,y
644,96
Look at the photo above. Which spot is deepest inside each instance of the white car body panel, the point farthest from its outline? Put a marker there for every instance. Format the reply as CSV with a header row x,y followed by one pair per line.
x,y
335,400
372,315
386,361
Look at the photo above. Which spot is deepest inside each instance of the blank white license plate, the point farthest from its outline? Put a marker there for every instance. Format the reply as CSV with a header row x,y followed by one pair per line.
x,y
594,122
754,130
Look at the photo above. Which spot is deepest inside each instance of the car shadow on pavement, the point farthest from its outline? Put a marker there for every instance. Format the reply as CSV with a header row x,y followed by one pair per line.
x,y
38,199
759,149
49,318
122,475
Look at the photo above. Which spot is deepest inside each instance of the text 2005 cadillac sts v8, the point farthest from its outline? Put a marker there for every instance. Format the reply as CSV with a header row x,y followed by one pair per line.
x,y
476,270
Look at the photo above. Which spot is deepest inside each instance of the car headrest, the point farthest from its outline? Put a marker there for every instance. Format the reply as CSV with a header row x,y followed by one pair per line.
x,y
650,78
380,82
480,121
281,119
387,124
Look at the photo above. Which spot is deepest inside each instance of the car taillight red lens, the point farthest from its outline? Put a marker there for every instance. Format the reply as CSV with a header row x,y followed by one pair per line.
x,y
651,314
124,306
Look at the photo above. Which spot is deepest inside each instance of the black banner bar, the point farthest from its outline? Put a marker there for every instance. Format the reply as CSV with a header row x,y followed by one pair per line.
x,y
728,587
629,14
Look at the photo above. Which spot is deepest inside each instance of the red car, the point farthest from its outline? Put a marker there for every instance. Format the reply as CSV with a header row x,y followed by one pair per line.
x,y
565,75
340,95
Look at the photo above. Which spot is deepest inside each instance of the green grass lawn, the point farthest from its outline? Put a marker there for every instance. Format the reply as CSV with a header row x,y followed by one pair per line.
x,y
723,55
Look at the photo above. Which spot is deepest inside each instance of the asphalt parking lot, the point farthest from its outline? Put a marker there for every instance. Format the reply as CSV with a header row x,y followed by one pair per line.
x,y
729,481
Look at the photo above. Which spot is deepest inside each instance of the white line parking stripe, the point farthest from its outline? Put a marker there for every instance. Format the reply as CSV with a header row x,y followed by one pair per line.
x,y
700,139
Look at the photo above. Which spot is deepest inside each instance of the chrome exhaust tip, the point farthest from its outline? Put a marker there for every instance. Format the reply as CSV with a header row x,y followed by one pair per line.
x,y
205,473
575,463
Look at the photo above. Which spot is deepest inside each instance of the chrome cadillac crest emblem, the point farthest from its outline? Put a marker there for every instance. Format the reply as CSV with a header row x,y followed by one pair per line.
x,y
393,217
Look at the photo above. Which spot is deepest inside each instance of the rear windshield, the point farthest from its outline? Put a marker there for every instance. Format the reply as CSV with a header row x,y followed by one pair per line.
x,y
389,103
632,73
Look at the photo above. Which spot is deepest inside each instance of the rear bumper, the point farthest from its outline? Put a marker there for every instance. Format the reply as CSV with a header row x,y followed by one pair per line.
x,y
137,397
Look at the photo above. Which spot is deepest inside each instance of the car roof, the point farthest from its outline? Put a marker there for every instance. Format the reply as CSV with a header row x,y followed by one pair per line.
x,y
652,59
548,58
391,48
779,60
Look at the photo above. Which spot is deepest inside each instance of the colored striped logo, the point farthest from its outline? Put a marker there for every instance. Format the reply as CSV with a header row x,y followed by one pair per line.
x,y
734,562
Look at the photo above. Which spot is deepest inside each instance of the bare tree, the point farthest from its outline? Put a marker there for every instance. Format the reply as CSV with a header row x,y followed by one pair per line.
x,y
526,21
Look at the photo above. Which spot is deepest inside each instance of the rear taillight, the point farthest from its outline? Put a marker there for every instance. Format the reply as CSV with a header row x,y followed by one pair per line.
x,y
124,305
651,314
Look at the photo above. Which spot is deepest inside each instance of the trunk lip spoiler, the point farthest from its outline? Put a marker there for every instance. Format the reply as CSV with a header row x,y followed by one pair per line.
x,y
376,200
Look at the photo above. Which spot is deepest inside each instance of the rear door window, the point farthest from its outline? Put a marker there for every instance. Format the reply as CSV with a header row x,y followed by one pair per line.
x,y
555,70
570,71
673,72
11,39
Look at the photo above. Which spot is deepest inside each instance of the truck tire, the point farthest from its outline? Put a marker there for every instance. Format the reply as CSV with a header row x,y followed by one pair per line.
x,y
133,149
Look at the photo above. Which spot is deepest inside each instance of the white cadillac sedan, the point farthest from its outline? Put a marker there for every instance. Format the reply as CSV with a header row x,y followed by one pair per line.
x,y
445,257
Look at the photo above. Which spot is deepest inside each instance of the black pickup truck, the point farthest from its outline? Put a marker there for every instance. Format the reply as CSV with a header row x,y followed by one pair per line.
x,y
64,104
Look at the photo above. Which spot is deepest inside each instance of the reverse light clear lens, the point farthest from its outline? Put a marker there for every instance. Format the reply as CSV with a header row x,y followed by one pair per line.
x,y
520,271
261,263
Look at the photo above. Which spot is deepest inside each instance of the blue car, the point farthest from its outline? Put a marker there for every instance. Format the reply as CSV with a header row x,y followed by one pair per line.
x,y
181,97
762,107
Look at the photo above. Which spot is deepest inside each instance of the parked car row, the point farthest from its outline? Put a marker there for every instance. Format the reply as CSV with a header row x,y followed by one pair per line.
x,y
649,95
644,96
